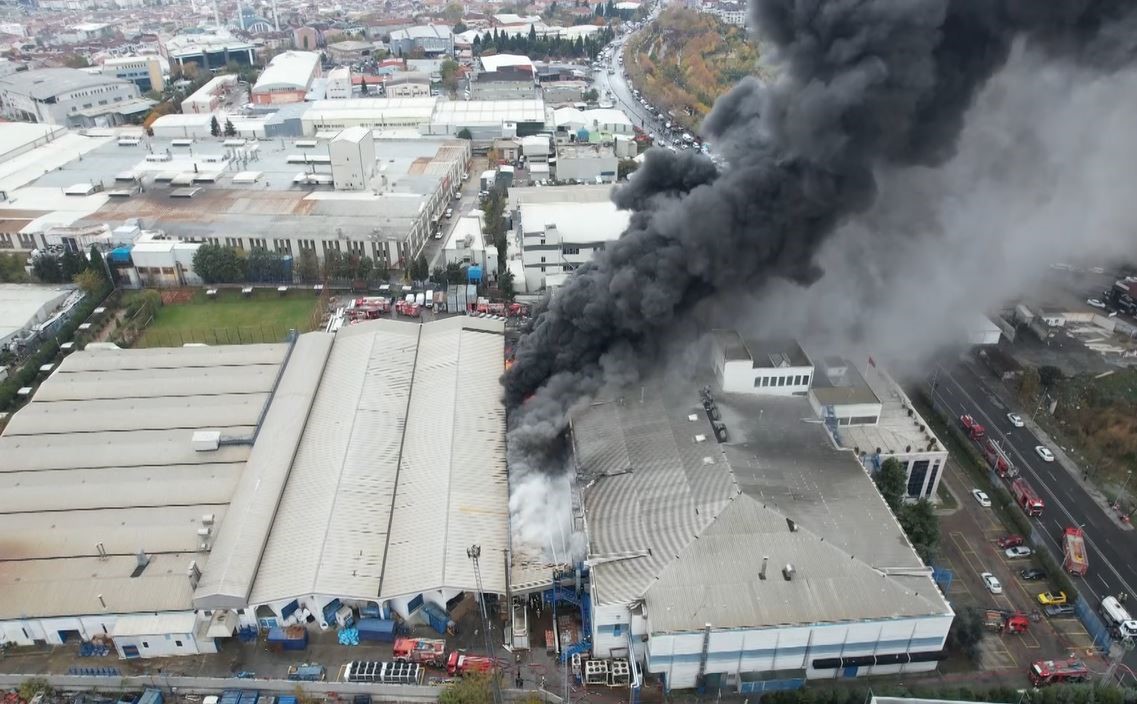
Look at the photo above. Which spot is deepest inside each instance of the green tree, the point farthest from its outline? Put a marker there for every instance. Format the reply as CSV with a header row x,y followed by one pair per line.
x,y
967,631
12,269
76,61
455,274
532,34
449,71
892,482
47,269
460,27
333,265
1049,375
591,95
364,268
263,266
419,269
90,281
97,263
473,689
438,276
625,168
363,85
230,130
218,265
465,133
922,527
380,270
453,12
505,284
1029,384
308,266
72,263
214,126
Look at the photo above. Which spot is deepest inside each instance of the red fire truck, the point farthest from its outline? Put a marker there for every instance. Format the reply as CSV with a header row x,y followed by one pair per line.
x,y
997,459
974,430
1044,672
426,651
462,664
1026,497
1075,560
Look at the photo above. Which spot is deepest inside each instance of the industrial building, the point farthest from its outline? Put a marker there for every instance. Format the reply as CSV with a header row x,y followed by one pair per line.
x,y
143,71
433,39
586,163
28,311
556,230
287,78
777,368
198,189
208,49
381,114
211,96
467,245
491,119
747,553
258,485
70,97
599,123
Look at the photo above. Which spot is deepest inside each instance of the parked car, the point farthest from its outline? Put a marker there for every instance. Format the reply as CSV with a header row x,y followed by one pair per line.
x,y
1059,610
1016,420
1044,453
449,213
1009,541
1096,303
1032,574
1052,598
992,583
982,498
1018,552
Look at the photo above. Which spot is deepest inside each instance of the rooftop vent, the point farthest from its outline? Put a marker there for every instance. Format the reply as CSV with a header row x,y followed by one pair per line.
x,y
788,572
206,440
143,561
791,525
762,572
194,574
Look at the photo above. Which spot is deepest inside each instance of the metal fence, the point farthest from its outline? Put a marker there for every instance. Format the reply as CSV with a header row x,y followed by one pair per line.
x,y
212,336
1095,626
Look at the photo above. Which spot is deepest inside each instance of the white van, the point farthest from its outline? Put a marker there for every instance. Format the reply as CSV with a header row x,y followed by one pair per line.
x,y
1117,618
429,299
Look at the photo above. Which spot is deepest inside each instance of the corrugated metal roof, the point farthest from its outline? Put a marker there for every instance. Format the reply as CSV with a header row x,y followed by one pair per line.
x,y
241,543
104,455
389,389
715,579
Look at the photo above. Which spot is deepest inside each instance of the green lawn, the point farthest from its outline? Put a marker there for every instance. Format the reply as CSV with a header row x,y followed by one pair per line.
x,y
231,319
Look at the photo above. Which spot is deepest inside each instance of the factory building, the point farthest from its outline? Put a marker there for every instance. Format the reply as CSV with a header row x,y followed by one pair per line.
x,y
69,97
557,229
28,311
746,553
143,71
208,49
287,78
238,494
432,39
211,96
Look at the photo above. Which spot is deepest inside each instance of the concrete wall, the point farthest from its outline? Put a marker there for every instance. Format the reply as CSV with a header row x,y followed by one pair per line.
x,y
741,377
587,168
159,646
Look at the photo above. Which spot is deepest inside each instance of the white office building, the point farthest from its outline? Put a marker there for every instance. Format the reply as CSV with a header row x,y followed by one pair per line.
x,y
760,367
67,96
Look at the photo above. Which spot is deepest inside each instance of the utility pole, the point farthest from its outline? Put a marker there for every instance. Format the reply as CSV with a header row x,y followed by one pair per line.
x,y
474,552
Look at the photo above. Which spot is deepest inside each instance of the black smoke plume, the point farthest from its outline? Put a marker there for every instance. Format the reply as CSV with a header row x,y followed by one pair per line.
x,y
863,85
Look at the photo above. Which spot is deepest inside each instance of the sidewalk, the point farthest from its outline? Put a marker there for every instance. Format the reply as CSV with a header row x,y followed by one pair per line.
x,y
1060,456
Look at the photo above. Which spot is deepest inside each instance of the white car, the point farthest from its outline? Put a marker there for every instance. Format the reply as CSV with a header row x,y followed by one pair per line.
x,y
1017,552
1096,303
1044,453
458,195
982,498
449,213
1016,419
992,583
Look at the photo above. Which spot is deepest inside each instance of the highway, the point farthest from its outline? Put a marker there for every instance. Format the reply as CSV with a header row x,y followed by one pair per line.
x,y
962,390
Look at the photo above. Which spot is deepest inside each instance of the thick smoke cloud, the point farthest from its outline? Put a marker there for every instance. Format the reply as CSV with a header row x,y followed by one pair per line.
x,y
867,89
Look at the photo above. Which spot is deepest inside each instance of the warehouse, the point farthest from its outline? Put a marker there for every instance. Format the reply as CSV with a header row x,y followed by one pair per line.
x,y
751,563
253,484
491,119
26,310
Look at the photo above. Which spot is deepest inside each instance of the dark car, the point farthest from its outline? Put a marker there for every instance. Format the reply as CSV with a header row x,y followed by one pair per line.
x,y
1059,610
1032,574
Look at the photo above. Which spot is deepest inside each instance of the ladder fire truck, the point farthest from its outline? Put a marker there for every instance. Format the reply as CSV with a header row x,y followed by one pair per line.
x,y
1075,560
1044,672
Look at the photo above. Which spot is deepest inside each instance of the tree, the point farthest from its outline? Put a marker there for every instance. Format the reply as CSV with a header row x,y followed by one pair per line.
x,y
214,127
218,265
892,482
532,34
438,276
460,27
308,266
363,85
625,168
453,12
455,274
473,689
1049,375
12,269
97,263
922,528
419,269
46,268
1029,384
967,631
465,133
72,263
449,72
90,281
263,266
76,61
334,267
230,130
505,284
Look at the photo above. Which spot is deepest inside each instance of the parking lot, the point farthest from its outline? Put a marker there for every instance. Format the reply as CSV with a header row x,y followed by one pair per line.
x,y
968,547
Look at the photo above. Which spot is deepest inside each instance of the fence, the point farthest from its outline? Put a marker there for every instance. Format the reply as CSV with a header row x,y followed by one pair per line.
x,y
1098,630
212,336
943,577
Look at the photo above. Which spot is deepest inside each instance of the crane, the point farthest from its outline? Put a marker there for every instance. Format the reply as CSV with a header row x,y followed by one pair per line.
x,y
474,552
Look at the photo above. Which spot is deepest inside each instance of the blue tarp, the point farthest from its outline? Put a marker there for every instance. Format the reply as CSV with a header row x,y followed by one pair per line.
x,y
474,273
120,255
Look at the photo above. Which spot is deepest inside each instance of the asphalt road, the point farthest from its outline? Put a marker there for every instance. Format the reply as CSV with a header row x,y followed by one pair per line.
x,y
1110,548
622,93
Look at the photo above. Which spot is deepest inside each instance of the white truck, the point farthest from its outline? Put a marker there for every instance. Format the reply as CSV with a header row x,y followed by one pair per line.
x,y
1118,619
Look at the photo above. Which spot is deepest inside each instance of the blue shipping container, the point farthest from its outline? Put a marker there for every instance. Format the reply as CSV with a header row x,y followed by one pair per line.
x,y
291,639
230,696
369,610
376,630
437,618
151,696
250,697
289,699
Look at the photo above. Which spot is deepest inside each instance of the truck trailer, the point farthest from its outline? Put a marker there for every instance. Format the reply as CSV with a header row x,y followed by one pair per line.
x,y
1121,624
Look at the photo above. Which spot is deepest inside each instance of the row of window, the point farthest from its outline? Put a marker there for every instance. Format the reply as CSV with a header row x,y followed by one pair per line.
x,y
784,380
88,106
26,241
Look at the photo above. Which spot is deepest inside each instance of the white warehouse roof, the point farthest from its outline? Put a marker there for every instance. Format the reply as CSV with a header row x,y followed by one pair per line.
x,y
401,467
489,112
292,69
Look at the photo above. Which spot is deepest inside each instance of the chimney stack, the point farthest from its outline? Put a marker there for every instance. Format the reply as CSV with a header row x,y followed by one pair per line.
x,y
788,572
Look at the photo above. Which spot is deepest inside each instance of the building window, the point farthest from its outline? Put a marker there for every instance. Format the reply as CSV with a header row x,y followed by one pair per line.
x,y
571,250
234,242
145,644
283,246
257,242
616,630
5,240
917,476
932,479
542,260
178,643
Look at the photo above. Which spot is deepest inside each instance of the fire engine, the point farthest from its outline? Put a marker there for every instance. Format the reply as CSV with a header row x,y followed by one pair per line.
x,y
1075,560
998,460
1026,497
368,308
1007,621
407,308
462,664
975,431
1044,672
430,651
